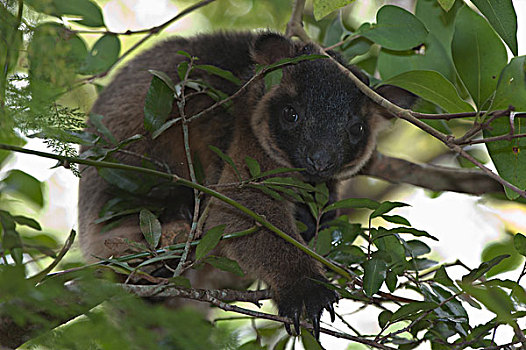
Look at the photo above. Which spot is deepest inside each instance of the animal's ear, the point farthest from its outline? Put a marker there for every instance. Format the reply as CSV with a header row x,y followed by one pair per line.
x,y
270,48
396,95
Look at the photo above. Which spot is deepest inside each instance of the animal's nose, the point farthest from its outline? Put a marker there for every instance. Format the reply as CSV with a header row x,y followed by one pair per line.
x,y
320,160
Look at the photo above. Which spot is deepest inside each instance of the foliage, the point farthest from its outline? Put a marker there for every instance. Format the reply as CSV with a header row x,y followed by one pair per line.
x,y
430,53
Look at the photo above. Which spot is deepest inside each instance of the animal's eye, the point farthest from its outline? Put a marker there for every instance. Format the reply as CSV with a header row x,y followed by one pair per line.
x,y
290,115
357,130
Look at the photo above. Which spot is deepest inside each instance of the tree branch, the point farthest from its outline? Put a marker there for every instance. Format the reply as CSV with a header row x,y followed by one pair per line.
x,y
295,24
432,177
170,291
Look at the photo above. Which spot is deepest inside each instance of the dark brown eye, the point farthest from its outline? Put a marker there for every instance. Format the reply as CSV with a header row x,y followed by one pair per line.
x,y
357,130
290,115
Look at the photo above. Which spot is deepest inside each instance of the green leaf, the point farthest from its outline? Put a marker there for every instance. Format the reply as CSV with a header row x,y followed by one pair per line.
x,y
501,15
478,53
334,32
384,317
503,248
96,120
164,77
323,242
395,29
419,264
24,220
323,7
391,280
19,183
407,311
433,87
219,72
253,167
273,78
443,278
158,105
150,228
413,231
483,269
209,241
224,264
389,243
165,127
89,12
432,55
446,4
396,219
161,257
181,281
322,194
356,47
282,343
494,298
374,275
386,207
416,248
348,255
182,69
451,309
308,341
10,238
51,72
10,42
226,159
519,241
517,291
353,203
509,157
440,23
280,171
130,181
103,55
269,192
184,53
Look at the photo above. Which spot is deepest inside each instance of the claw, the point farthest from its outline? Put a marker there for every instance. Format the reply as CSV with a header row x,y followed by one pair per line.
x,y
330,308
316,326
296,320
287,328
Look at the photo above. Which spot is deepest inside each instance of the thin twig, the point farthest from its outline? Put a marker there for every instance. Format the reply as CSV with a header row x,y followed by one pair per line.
x,y
67,245
197,199
506,137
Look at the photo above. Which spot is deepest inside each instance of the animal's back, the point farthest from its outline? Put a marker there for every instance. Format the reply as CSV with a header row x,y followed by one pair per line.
x,y
122,104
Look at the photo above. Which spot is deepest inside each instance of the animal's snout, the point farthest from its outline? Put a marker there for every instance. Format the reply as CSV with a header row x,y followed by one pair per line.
x,y
320,161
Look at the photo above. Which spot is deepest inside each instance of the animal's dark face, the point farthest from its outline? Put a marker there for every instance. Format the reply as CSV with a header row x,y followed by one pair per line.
x,y
316,116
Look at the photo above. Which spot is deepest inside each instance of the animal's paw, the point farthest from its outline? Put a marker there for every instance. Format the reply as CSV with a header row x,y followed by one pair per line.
x,y
308,296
